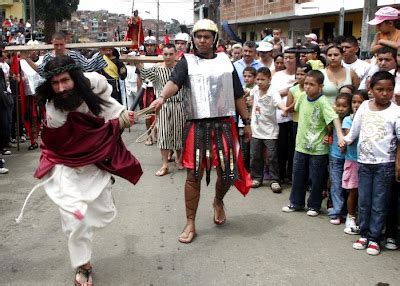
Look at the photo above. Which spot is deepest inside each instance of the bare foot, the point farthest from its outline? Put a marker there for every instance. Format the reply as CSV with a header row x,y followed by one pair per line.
x,y
219,212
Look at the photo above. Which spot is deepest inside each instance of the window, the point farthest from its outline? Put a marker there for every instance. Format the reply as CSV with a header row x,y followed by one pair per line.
x,y
252,36
244,36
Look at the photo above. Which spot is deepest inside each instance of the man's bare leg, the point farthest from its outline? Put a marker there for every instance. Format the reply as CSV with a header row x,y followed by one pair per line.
x,y
179,160
164,168
221,188
192,197
150,139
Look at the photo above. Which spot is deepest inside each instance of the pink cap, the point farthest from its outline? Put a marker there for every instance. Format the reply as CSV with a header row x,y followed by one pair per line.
x,y
312,36
384,14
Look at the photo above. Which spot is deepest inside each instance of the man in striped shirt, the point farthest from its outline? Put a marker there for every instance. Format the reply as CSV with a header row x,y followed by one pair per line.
x,y
96,63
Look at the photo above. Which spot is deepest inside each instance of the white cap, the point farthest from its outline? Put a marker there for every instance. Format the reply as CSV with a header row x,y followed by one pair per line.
x,y
312,36
265,47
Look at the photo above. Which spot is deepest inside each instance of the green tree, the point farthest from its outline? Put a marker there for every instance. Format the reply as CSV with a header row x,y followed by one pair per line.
x,y
53,11
173,27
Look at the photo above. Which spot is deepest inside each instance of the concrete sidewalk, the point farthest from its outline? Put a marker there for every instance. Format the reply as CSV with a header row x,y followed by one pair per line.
x,y
259,244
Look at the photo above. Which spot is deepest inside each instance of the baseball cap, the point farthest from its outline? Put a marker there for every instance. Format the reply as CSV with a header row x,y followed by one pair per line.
x,y
312,36
384,14
265,47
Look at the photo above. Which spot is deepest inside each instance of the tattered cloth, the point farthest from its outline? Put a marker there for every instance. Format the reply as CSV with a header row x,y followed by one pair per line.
x,y
86,139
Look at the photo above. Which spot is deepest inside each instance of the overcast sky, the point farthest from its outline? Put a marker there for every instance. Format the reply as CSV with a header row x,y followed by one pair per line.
x,y
182,10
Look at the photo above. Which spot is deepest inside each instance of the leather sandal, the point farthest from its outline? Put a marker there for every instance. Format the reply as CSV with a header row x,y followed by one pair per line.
x,y
33,146
162,172
86,273
187,237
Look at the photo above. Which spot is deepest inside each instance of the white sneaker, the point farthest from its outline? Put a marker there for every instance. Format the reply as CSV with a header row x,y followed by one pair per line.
x,y
312,212
361,243
347,223
373,248
3,170
352,227
391,244
289,208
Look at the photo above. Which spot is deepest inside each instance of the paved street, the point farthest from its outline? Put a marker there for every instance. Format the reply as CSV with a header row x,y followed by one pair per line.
x,y
259,245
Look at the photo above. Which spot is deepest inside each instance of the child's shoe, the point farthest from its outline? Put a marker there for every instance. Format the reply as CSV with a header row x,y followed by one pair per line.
x,y
373,248
289,208
335,221
391,244
351,226
312,212
360,244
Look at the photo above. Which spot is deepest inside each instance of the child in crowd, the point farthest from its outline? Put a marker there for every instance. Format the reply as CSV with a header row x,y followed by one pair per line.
x,y
249,76
376,124
391,233
285,141
350,169
347,88
311,154
265,130
336,161
314,57
295,92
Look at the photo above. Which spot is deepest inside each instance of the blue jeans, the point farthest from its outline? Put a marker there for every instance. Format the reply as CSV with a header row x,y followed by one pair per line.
x,y
375,182
304,165
336,171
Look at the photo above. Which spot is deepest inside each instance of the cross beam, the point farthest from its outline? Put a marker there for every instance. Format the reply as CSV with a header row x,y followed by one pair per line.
x,y
98,45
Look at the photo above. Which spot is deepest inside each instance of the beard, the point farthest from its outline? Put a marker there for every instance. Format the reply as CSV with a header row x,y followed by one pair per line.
x,y
68,100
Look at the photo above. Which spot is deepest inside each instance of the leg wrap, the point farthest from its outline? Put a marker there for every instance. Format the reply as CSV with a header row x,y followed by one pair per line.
x,y
192,194
221,186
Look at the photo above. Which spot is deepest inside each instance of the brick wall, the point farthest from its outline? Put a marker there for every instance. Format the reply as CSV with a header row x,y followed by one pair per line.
x,y
253,8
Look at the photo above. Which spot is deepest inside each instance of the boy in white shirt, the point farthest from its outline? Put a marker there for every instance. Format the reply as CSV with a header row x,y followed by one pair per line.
x,y
265,130
376,123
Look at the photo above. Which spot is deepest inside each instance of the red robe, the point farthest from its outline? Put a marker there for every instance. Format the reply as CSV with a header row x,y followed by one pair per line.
x,y
86,139
135,32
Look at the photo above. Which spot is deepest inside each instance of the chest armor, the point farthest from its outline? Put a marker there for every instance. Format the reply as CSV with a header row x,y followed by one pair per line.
x,y
211,87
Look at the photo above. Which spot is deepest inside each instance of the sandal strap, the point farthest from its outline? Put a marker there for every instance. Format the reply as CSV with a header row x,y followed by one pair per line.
x,y
86,272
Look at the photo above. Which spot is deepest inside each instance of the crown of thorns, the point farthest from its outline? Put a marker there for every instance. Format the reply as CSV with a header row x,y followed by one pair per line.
x,y
56,71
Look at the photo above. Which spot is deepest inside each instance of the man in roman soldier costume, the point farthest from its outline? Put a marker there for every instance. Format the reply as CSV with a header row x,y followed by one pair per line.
x,y
210,137
135,30
181,43
148,95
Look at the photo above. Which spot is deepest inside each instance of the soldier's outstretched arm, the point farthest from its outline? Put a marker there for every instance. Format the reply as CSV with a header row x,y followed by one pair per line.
x,y
169,90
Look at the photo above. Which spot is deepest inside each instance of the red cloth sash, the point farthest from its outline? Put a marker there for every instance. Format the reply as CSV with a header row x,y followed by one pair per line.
x,y
86,139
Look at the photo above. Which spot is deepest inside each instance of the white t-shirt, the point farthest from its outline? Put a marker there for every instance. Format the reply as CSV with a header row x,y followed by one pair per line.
x,y
263,115
377,132
279,117
372,70
281,81
360,67
32,78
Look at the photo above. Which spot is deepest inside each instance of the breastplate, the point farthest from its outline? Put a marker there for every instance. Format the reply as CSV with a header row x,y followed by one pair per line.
x,y
210,87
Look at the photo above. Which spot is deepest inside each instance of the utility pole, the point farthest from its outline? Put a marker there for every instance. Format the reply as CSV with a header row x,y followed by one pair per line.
x,y
33,18
158,22
367,31
341,21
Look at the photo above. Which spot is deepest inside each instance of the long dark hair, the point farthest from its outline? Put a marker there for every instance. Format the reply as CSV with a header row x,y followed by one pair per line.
x,y
82,85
